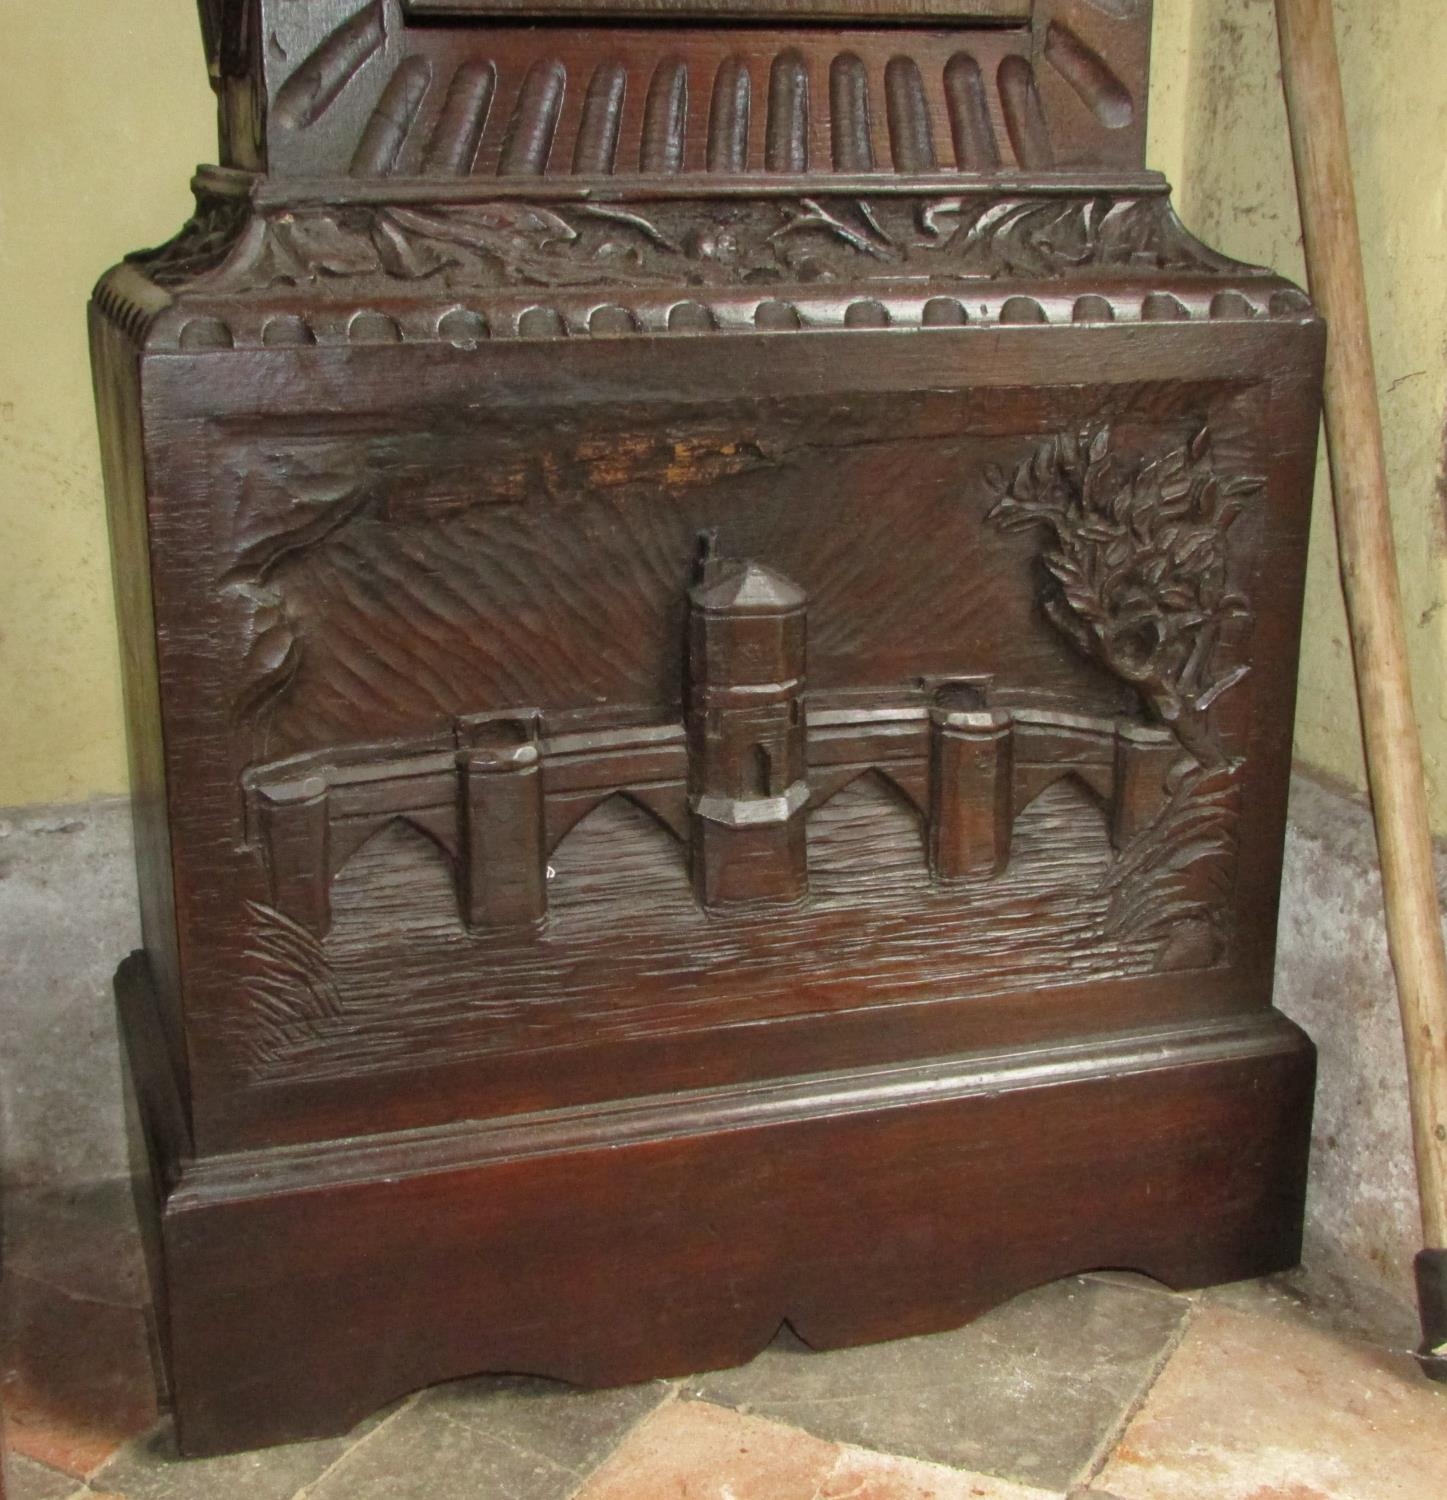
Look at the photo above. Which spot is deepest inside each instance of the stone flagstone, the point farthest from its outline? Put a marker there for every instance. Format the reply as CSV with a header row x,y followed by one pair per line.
x,y
1032,1391
27,1480
513,1439
150,1468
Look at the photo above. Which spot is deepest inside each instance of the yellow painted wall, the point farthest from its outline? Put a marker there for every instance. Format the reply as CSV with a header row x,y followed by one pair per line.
x,y
104,113
99,148
1238,194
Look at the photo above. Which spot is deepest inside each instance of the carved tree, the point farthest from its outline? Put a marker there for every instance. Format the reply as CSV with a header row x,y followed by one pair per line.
x,y
1138,566
295,498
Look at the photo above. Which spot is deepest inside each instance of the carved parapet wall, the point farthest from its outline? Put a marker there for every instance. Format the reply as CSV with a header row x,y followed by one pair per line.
x,y
498,810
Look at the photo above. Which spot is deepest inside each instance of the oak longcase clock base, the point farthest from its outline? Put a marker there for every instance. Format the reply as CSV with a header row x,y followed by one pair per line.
x,y
709,601
658,1237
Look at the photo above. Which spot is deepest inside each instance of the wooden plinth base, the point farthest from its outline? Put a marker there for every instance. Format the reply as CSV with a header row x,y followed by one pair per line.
x,y
300,1289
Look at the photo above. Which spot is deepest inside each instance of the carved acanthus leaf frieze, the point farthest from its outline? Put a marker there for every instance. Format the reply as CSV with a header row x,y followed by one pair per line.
x,y
513,243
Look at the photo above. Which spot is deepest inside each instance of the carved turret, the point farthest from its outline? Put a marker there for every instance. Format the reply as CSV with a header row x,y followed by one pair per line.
x,y
747,784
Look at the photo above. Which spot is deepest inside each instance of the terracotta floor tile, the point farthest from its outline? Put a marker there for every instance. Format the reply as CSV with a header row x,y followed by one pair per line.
x,y
692,1450
860,1475
76,1380
1261,1407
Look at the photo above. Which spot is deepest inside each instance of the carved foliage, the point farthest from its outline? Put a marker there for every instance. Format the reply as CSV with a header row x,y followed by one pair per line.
x,y
511,243
1137,559
297,496
203,245
290,991
1172,883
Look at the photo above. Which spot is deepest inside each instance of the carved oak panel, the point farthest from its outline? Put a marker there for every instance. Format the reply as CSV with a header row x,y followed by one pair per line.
x,y
1045,714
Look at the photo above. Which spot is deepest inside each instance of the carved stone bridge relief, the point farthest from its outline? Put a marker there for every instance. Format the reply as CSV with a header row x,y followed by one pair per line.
x,y
1137,568
734,782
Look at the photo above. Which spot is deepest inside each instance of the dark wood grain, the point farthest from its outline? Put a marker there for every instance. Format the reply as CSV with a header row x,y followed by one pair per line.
x,y
709,615
623,1219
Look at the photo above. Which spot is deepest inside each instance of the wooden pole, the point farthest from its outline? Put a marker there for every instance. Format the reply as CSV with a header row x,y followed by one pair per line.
x,y
1374,610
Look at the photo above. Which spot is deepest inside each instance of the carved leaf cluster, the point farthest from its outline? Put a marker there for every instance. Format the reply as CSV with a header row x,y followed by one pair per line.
x,y
472,244
271,652
1172,884
204,244
1138,566
1048,237
291,992
296,497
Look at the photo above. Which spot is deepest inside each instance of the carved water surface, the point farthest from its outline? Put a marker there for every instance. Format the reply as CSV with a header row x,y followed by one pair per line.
x,y
622,916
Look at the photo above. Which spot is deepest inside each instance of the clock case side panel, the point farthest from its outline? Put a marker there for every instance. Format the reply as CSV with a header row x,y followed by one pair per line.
x,y
160,1026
